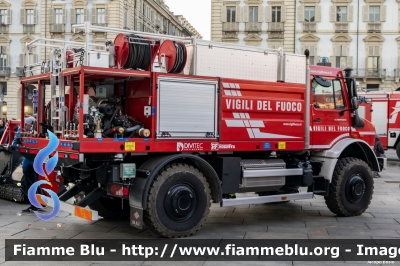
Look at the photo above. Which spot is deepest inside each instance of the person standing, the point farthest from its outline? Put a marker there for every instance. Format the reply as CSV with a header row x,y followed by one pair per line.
x,y
379,152
29,175
2,127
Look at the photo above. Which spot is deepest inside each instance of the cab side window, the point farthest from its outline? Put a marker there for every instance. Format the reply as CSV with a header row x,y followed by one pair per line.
x,y
328,97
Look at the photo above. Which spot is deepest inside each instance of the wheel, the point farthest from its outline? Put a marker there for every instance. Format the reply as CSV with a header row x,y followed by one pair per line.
x,y
351,189
178,202
111,208
398,150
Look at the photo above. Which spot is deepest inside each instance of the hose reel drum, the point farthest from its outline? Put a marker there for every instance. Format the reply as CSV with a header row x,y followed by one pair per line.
x,y
136,52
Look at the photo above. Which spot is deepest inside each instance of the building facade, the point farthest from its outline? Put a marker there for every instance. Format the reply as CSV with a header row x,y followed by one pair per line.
x,y
23,21
362,34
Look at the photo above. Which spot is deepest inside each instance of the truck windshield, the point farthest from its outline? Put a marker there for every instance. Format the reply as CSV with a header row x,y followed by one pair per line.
x,y
328,97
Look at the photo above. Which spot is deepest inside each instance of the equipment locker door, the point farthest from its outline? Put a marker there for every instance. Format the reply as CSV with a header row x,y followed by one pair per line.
x,y
329,123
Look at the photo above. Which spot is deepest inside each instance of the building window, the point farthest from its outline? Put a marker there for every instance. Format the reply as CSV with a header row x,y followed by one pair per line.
x,y
341,58
231,14
373,59
30,16
126,18
59,15
276,14
3,16
341,14
374,14
309,13
372,87
328,97
373,63
3,60
253,14
80,16
101,15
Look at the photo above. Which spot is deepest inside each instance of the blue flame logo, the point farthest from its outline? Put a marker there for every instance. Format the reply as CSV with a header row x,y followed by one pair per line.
x,y
49,167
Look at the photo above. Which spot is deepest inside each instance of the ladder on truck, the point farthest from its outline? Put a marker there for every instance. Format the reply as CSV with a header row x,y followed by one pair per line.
x,y
58,110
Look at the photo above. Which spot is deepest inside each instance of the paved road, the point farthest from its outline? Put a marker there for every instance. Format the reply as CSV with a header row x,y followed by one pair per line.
x,y
391,155
307,219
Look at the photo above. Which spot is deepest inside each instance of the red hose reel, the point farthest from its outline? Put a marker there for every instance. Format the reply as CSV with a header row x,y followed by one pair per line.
x,y
136,55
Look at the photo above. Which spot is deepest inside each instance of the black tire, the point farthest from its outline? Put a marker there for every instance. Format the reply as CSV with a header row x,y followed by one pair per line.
x,y
178,202
398,150
111,208
351,189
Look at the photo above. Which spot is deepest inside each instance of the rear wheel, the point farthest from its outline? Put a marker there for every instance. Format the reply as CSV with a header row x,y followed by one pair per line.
x,y
351,189
178,202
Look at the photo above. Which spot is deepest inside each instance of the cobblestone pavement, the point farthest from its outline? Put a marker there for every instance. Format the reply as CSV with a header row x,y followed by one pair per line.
x,y
306,219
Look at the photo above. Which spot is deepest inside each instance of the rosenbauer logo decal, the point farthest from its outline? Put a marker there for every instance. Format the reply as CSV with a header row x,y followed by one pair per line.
x,y
215,146
49,167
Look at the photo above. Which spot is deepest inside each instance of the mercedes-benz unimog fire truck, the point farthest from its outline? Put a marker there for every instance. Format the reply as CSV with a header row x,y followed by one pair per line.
x,y
153,128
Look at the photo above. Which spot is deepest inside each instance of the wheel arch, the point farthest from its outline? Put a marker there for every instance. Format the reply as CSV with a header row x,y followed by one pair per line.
x,y
346,148
138,192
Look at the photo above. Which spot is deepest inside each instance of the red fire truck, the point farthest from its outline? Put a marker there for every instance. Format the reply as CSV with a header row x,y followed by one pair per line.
x,y
153,128
382,109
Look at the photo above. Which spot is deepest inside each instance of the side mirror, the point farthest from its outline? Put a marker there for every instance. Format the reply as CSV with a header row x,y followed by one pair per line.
x,y
354,103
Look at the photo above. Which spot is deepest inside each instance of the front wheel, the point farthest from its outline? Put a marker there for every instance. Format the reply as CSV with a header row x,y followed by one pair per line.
x,y
178,202
351,189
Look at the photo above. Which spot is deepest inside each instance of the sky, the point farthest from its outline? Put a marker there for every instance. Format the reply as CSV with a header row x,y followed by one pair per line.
x,y
197,12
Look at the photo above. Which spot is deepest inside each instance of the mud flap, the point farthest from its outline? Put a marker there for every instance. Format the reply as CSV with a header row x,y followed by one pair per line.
x,y
137,217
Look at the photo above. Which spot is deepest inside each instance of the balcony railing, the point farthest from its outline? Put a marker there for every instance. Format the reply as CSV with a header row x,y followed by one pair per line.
x,y
57,28
370,73
253,26
275,26
4,28
374,27
230,26
5,71
309,27
28,29
341,27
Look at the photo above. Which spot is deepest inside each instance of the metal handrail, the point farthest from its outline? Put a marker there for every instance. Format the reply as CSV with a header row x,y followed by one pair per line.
x,y
62,45
95,28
